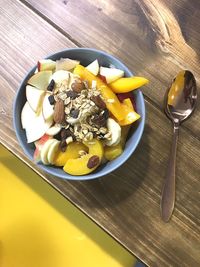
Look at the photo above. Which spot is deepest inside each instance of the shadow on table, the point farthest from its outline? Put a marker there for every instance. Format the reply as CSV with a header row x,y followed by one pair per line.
x,y
125,181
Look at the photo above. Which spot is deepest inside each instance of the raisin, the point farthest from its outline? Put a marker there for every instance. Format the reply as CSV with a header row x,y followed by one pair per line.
x,y
77,87
65,133
98,101
93,162
99,120
63,145
74,113
72,94
51,85
51,99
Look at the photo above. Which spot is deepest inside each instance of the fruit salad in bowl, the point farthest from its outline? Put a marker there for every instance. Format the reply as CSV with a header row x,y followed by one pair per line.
x,y
75,115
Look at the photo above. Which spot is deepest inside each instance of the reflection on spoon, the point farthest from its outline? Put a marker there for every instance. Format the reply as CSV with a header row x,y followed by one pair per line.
x,y
180,102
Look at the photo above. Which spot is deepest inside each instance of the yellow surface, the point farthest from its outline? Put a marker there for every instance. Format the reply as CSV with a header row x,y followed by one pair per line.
x,y
39,228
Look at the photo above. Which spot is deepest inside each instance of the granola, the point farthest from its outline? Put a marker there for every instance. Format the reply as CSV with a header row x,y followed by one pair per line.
x,y
85,111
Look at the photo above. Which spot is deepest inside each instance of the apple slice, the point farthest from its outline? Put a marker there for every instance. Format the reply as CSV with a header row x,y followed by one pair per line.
x,y
34,97
47,108
93,67
38,146
53,149
45,150
41,79
27,115
54,130
111,74
60,76
66,64
46,64
36,128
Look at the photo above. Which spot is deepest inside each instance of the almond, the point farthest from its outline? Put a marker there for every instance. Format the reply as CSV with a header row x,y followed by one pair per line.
x,y
59,111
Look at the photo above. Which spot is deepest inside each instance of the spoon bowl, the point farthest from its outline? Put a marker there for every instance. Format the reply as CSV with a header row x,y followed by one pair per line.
x,y
180,102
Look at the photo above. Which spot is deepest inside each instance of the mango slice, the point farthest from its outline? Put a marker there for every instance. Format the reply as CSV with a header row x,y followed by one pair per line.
x,y
72,152
79,166
131,116
127,84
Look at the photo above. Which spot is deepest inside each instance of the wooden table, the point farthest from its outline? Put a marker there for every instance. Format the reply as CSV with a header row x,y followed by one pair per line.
x,y
155,39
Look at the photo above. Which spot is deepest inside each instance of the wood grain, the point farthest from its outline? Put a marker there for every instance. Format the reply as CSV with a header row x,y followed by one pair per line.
x,y
146,34
126,202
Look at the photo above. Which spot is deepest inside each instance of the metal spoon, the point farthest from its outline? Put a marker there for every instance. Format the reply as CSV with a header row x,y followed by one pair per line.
x,y
180,102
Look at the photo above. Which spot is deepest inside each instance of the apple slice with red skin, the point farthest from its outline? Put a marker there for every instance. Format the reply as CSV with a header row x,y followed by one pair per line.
x,y
38,146
46,64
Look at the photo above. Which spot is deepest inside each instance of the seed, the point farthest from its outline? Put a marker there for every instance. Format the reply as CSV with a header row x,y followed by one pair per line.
x,y
93,162
51,85
51,99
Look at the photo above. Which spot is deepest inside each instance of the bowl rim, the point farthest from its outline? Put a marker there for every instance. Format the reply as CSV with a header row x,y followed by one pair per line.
x,y
90,176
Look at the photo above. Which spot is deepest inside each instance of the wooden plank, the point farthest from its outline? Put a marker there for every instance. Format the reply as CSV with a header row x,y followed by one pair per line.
x,y
124,203
154,38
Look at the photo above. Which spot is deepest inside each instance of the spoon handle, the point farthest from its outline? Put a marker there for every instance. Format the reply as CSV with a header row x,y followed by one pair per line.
x,y
168,192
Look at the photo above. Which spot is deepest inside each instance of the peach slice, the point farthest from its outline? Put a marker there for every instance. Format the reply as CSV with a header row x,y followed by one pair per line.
x,y
72,152
80,166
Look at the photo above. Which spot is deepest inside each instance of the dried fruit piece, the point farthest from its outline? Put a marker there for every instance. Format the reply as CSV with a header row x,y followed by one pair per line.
x,y
77,87
59,111
63,145
93,162
51,85
74,113
98,101
51,99
72,94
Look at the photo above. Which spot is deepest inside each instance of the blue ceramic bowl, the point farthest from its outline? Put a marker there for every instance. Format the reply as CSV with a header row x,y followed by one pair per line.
x,y
86,56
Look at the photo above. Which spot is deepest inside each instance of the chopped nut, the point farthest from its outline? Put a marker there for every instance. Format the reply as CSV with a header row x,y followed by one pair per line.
x,y
85,131
67,101
82,153
108,135
110,100
67,110
69,140
59,111
103,130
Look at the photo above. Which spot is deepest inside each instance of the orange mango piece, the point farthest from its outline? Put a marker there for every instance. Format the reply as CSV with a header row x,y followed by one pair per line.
x,y
131,115
127,84
112,102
